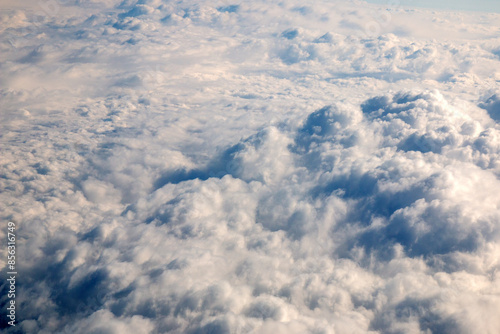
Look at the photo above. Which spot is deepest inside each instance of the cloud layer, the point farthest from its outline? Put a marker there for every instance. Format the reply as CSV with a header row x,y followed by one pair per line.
x,y
251,168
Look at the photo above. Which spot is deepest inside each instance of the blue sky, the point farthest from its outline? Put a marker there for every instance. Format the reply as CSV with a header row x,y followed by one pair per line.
x,y
477,5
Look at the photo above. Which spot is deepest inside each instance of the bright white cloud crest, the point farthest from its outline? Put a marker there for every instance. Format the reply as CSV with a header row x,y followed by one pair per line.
x,y
252,167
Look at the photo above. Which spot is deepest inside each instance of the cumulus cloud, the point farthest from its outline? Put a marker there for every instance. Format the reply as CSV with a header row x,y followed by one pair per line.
x,y
253,167
492,105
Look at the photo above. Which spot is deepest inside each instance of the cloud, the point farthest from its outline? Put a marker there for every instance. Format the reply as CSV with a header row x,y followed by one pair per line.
x,y
104,322
250,167
492,105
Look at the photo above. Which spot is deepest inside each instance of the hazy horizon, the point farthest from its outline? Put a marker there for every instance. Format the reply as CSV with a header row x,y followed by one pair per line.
x,y
462,5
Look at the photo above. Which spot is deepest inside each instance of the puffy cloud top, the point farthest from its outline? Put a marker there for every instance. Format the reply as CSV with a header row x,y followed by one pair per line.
x,y
250,167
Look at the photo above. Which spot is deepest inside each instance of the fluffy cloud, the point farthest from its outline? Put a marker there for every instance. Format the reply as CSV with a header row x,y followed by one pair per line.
x,y
237,168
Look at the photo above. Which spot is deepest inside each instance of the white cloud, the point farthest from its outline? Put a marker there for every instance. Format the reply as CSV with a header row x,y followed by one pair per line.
x,y
251,167
105,322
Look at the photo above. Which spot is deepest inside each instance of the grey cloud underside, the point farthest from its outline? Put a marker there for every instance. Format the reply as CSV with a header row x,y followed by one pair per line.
x,y
257,167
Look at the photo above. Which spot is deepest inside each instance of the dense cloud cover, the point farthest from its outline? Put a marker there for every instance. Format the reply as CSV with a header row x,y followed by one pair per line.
x,y
251,167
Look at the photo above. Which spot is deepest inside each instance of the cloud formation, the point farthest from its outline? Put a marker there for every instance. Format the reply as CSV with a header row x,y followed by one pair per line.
x,y
250,168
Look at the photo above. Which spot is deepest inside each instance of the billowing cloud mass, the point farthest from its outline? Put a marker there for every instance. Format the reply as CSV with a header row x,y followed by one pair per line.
x,y
250,167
